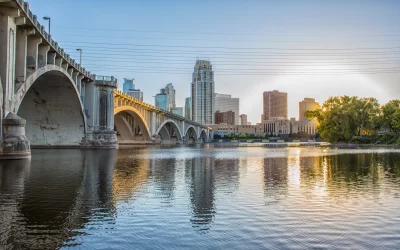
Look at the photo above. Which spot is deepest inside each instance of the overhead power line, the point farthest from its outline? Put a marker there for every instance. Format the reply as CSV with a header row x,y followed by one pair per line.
x,y
208,39
219,33
239,53
230,48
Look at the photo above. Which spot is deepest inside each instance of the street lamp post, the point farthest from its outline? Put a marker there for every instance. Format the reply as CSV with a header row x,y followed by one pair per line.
x,y
48,19
80,56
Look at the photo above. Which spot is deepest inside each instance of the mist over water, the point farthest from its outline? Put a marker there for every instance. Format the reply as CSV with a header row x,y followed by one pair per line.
x,y
201,197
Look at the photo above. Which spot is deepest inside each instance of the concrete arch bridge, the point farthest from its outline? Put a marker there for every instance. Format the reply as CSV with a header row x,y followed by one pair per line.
x,y
47,99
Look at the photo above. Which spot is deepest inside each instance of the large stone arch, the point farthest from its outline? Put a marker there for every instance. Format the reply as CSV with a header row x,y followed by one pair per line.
x,y
122,127
193,130
175,126
50,102
203,135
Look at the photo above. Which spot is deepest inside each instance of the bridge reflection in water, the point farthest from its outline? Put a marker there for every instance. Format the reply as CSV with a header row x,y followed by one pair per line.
x,y
153,194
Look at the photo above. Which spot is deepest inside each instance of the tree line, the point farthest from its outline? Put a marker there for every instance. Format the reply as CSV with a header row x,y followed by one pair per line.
x,y
351,118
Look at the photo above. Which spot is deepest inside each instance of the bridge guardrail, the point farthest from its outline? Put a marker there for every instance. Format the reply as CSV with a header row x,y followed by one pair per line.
x,y
24,6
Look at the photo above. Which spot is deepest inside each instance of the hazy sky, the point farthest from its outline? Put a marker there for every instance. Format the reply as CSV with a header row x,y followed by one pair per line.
x,y
306,48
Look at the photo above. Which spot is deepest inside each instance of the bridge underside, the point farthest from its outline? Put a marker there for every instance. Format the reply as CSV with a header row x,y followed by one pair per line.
x,y
53,112
130,128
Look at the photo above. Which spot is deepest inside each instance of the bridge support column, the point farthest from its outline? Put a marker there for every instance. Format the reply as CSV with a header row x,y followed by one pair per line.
x,y
153,128
99,109
33,52
14,144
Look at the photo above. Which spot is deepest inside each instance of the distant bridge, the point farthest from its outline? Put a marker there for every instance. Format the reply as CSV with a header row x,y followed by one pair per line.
x,y
139,121
63,104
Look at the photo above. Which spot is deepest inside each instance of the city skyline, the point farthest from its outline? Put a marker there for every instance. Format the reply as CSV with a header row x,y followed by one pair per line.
x,y
159,48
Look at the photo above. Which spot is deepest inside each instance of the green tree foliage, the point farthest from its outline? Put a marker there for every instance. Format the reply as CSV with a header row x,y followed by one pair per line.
x,y
391,116
342,117
242,136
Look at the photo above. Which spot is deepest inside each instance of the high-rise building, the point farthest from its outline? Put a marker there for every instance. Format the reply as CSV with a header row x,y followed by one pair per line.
x,y
127,85
227,118
243,119
170,91
177,111
275,105
136,93
188,107
161,100
225,103
202,91
307,104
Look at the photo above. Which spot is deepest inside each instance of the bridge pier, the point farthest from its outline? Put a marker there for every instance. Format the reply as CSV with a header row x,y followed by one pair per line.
x,y
99,109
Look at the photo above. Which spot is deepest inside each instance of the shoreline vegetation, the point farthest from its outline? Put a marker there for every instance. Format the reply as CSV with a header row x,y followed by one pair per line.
x,y
360,121
342,120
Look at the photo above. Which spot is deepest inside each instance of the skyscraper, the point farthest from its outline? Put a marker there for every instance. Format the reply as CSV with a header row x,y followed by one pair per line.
x,y
136,93
202,91
243,119
307,104
170,91
127,85
177,111
188,108
227,118
275,105
161,100
225,103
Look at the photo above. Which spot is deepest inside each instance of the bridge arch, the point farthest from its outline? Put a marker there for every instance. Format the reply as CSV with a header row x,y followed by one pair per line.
x,y
124,129
191,130
165,135
203,135
50,102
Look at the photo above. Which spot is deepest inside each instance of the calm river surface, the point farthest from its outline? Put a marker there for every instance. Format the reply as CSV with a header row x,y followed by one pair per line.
x,y
202,197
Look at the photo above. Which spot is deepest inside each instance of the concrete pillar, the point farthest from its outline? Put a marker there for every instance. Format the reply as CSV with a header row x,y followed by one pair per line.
x,y
70,72
51,57
21,54
32,54
7,50
42,55
153,127
75,75
79,86
59,60
99,107
64,65
14,144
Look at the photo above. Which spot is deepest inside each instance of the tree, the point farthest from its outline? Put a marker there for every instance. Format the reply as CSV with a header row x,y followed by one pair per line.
x,y
242,136
391,116
342,117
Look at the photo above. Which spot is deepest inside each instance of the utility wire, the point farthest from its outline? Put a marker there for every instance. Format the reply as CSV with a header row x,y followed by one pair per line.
x,y
216,33
230,48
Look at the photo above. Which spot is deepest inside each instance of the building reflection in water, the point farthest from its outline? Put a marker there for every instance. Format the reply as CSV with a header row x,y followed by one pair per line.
x,y
275,179
130,173
200,176
162,172
63,192
12,182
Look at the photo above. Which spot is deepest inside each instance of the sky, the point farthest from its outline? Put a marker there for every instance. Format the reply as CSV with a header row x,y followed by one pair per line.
x,y
303,47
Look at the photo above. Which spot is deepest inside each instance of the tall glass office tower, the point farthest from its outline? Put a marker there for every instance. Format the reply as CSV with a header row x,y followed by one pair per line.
x,y
203,93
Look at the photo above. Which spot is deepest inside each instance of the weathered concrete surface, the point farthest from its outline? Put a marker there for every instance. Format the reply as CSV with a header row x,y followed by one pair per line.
x,y
14,145
53,112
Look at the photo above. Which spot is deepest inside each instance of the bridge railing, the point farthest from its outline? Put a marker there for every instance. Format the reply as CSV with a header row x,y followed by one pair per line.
x,y
24,6
106,80
156,109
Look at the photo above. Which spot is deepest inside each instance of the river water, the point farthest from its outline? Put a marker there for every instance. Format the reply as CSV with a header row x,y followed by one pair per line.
x,y
202,197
